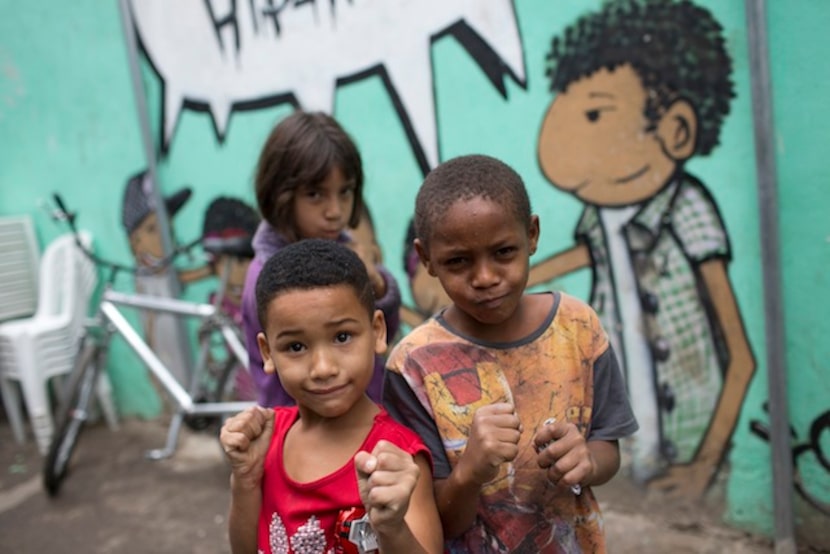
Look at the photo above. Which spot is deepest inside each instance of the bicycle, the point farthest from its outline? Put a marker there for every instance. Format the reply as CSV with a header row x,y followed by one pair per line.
x,y
194,402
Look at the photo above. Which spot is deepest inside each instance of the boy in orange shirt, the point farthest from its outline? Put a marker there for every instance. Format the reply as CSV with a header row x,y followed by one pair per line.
x,y
518,396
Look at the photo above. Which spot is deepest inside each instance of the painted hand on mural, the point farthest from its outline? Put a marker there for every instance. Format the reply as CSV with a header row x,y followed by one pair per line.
x,y
684,481
641,87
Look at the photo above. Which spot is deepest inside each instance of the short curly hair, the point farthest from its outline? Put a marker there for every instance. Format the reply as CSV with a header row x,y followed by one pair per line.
x,y
467,177
312,264
676,48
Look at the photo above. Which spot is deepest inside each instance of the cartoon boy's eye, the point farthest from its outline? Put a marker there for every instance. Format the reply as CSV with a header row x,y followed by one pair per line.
x,y
592,115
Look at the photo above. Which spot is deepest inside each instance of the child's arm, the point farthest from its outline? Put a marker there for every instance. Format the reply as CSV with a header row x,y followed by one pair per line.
x,y
397,494
571,460
245,439
494,439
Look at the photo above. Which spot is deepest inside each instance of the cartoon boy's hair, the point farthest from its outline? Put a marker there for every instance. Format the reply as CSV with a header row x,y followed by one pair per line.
x,y
464,178
302,150
229,227
676,48
312,264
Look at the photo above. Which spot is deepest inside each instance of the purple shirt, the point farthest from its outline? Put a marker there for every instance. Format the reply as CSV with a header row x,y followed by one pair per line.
x,y
267,242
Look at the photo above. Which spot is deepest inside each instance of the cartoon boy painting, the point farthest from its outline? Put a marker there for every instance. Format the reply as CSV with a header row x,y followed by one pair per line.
x,y
227,233
163,332
641,87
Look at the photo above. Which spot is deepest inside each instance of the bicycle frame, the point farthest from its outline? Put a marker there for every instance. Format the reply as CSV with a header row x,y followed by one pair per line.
x,y
116,322
109,320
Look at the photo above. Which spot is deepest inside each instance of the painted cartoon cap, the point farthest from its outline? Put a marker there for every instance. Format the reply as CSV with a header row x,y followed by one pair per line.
x,y
138,200
229,226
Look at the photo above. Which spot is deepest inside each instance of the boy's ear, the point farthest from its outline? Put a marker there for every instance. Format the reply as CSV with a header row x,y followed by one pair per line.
x,y
379,326
677,130
265,352
423,254
533,234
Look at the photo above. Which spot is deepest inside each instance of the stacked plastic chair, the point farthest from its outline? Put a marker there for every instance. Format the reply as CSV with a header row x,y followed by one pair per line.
x,y
19,256
34,350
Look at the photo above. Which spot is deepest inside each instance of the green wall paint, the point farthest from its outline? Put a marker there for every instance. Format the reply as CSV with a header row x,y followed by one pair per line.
x,y
68,123
800,71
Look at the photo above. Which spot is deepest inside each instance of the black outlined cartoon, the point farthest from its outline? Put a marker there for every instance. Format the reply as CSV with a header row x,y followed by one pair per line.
x,y
641,86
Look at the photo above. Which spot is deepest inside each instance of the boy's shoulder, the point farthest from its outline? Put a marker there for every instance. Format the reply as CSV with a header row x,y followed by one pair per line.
x,y
392,430
576,320
387,428
573,307
285,416
573,303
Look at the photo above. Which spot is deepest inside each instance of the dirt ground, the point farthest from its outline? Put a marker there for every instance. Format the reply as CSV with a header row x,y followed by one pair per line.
x,y
117,501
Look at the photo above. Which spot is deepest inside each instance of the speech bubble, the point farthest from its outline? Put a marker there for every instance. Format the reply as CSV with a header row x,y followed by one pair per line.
x,y
239,54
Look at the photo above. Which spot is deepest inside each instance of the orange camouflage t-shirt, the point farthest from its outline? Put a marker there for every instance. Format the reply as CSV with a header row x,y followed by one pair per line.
x,y
440,374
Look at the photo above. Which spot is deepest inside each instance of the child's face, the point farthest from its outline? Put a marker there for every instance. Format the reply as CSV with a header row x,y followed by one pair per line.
x,y
595,144
145,241
322,211
480,253
322,343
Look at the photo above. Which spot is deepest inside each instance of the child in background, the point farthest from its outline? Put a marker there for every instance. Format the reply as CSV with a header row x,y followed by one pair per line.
x,y
309,184
302,476
519,396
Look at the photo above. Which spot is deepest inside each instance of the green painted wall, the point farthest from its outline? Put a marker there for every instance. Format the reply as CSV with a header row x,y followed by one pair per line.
x,y
68,123
800,86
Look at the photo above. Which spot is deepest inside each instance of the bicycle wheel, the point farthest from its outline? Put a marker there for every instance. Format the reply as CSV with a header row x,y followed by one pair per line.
x,y
72,414
212,375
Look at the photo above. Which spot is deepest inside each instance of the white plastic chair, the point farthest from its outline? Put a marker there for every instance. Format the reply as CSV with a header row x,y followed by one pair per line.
x,y
19,255
36,349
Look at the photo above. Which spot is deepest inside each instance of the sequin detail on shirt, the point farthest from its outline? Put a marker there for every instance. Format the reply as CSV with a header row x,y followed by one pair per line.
x,y
309,538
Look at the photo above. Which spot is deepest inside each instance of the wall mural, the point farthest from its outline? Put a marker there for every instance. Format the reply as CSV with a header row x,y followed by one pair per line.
x,y
807,454
228,227
242,55
164,332
247,54
640,88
